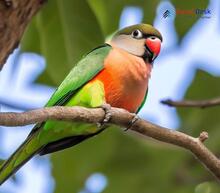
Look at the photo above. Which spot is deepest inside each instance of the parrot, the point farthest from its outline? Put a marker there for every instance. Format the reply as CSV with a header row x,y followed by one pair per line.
x,y
116,73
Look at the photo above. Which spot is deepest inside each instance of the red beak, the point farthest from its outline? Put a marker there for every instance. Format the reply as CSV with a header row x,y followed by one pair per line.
x,y
153,45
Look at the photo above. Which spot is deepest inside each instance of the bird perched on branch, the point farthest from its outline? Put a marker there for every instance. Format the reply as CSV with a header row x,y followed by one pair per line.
x,y
116,74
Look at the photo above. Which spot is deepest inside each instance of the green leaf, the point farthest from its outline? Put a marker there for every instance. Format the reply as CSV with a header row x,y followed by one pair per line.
x,y
207,187
110,22
1,161
31,39
64,31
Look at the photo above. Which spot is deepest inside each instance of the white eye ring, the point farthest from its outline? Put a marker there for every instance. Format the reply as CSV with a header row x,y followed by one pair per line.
x,y
137,34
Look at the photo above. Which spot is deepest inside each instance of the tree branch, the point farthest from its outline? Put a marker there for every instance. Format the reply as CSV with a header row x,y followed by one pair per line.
x,y
14,17
192,103
122,118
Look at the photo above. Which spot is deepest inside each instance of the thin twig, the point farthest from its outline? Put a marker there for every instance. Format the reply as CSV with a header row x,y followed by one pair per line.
x,y
192,103
122,118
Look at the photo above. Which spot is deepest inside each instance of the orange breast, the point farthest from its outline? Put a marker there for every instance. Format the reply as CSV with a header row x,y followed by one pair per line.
x,y
125,79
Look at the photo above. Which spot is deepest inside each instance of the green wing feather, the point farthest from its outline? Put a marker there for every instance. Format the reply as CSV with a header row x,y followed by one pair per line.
x,y
84,71
90,65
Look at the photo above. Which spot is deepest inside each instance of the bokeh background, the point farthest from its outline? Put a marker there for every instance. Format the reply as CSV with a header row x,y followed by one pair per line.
x,y
117,161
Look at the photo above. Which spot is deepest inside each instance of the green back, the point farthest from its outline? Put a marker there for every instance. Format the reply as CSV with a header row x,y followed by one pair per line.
x,y
90,65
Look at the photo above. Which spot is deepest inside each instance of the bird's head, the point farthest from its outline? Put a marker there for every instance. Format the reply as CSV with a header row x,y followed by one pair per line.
x,y
141,40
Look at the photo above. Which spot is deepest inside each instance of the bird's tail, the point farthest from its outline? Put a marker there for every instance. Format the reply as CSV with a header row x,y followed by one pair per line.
x,y
25,152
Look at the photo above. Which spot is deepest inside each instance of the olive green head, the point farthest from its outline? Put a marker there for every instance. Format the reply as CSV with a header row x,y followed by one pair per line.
x,y
142,40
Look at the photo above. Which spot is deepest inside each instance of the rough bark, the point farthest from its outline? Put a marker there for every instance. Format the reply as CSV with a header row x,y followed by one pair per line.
x,y
14,17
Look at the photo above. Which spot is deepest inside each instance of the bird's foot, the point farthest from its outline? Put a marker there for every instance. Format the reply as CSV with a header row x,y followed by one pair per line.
x,y
133,121
107,108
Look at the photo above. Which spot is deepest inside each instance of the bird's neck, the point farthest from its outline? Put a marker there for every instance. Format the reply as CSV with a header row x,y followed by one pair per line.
x,y
128,67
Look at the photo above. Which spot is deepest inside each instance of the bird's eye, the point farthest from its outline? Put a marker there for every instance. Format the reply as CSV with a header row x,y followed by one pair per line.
x,y
137,34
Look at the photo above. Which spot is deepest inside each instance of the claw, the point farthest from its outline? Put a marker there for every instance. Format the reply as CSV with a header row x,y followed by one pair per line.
x,y
107,108
133,121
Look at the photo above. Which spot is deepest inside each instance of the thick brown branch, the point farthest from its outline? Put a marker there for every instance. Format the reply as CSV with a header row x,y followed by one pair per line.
x,y
14,17
122,118
192,103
